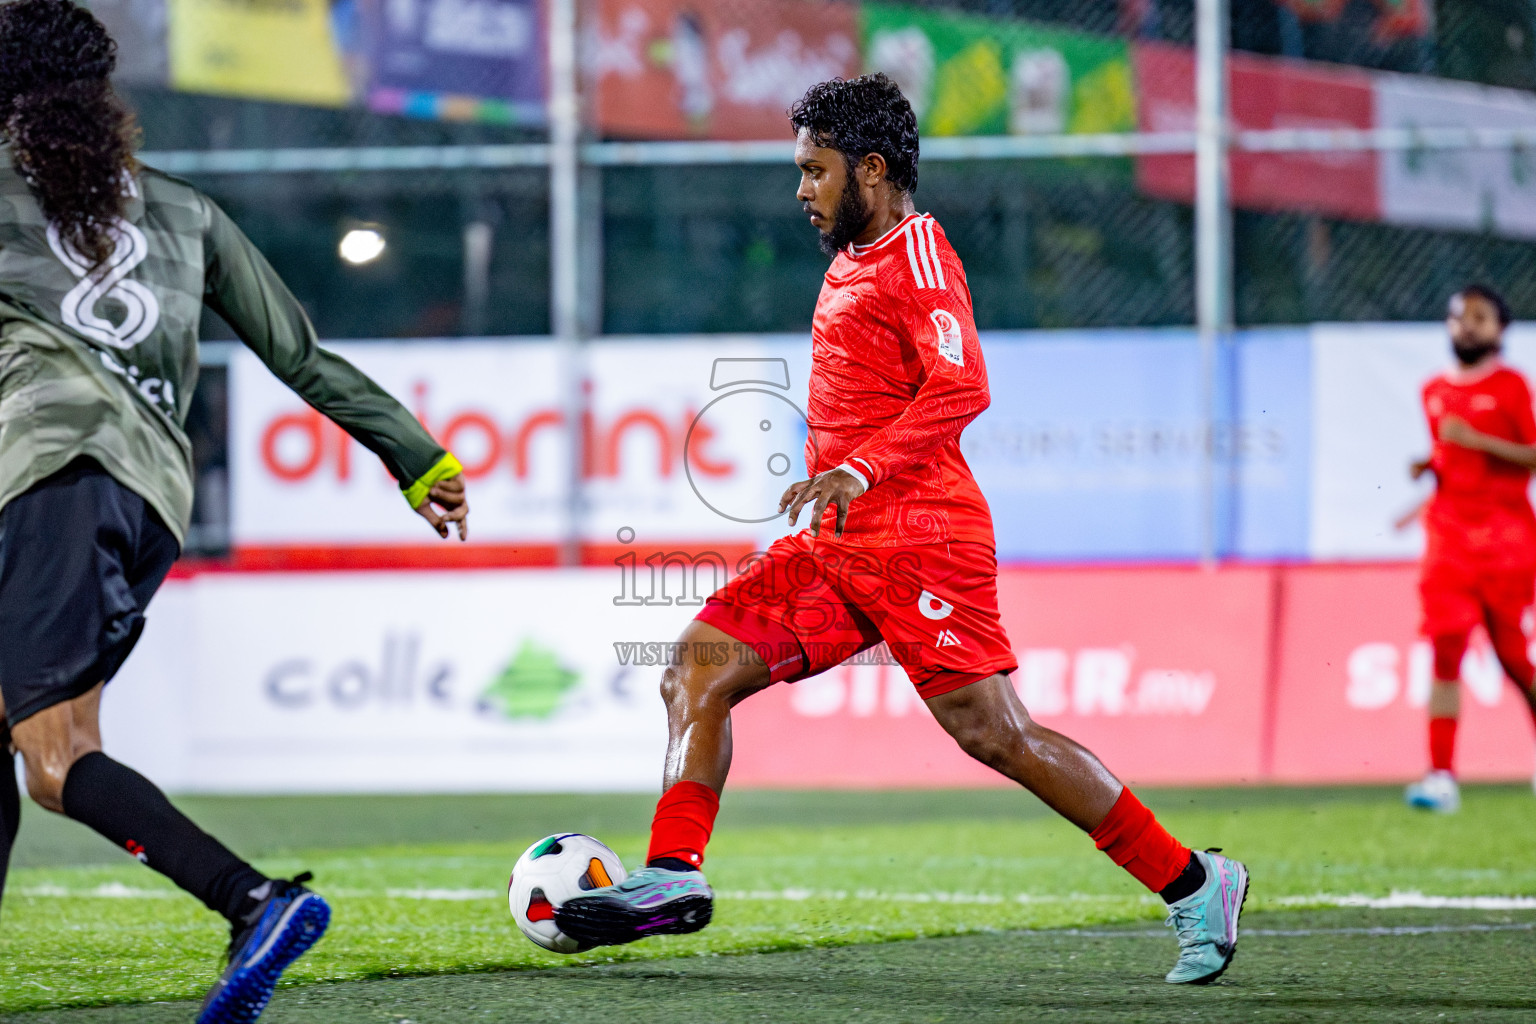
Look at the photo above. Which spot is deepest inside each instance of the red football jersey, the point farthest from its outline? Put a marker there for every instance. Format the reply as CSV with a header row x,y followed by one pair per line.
x,y
1482,508
896,374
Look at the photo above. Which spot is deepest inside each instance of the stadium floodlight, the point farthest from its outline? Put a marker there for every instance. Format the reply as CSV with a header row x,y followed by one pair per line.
x,y
361,245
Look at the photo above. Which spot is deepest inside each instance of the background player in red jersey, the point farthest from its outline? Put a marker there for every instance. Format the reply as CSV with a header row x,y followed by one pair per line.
x,y
899,549
1480,559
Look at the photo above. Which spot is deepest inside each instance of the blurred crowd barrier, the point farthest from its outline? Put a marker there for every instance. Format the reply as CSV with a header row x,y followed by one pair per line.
x,y
547,680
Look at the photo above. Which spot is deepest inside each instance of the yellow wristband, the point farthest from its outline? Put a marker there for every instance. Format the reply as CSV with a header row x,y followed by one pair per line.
x,y
444,467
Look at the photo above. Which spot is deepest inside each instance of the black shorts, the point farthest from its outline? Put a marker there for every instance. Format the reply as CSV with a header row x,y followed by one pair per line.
x,y
80,557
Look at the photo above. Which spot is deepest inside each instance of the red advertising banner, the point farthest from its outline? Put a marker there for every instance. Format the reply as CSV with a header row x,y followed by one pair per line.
x,y
672,69
1354,679
1161,672
1266,93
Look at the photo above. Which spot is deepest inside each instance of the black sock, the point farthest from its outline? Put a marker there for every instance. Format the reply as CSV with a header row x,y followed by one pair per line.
x,y
10,804
1189,881
671,864
130,811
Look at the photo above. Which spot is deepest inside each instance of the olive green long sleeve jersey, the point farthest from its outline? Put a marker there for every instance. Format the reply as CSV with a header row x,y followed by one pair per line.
x,y
102,361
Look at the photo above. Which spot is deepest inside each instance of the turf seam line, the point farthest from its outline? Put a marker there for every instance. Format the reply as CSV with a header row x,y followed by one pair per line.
x,y
1383,931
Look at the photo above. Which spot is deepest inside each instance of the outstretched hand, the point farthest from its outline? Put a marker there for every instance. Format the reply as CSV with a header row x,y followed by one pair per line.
x,y
448,495
835,487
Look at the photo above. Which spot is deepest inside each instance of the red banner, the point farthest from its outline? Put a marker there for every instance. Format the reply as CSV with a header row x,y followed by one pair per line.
x,y
1266,93
1354,680
1161,672
669,69
1309,674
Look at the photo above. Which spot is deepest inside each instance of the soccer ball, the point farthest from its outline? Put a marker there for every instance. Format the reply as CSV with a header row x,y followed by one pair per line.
x,y
551,871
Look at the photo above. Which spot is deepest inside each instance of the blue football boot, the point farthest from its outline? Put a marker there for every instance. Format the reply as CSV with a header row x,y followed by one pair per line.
x,y
285,923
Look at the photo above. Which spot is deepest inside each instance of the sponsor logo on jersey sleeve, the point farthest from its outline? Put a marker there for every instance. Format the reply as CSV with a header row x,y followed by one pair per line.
x,y
951,345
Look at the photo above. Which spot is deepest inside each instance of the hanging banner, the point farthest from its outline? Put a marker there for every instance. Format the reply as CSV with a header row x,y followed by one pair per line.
x,y
970,75
1467,189
462,60
672,69
1265,94
272,51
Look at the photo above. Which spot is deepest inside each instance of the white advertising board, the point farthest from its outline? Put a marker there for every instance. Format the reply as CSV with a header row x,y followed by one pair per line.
x,y
1368,427
674,442
396,682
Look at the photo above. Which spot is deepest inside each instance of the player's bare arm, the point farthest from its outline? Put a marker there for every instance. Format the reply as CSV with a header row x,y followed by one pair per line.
x,y
447,503
836,487
1418,467
1457,431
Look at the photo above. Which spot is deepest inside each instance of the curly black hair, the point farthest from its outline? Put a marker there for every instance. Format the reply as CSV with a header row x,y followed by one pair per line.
x,y
859,116
71,138
1488,295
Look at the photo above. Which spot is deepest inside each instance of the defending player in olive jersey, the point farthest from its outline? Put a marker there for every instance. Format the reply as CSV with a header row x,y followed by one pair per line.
x,y
103,363
105,267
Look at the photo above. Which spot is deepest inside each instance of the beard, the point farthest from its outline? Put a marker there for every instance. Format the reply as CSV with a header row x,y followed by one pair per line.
x,y
850,220
1471,353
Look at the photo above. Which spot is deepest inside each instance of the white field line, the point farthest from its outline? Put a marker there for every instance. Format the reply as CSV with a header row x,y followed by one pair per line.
x,y
1397,900
1302,933
1411,900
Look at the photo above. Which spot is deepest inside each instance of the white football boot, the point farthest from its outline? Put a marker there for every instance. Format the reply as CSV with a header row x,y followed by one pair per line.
x,y
1437,792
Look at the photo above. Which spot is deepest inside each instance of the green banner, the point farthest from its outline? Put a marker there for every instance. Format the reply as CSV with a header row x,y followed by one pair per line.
x,y
965,74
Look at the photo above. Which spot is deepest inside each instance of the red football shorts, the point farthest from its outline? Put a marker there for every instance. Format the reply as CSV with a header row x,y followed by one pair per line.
x,y
807,605
1457,596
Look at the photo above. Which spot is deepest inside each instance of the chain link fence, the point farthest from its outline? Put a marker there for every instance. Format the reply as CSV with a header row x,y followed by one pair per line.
x,y
1057,227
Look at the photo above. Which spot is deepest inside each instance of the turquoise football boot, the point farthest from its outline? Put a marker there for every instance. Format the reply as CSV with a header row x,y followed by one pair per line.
x,y
1206,921
652,901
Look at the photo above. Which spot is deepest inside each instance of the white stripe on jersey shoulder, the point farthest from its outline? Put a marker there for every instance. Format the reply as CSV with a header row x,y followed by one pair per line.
x,y
917,260
933,252
923,253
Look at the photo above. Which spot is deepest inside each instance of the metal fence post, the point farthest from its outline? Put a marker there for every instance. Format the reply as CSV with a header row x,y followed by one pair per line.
x,y
1213,238
564,254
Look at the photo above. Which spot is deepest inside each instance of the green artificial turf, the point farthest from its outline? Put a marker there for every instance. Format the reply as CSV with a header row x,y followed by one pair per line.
x,y
417,886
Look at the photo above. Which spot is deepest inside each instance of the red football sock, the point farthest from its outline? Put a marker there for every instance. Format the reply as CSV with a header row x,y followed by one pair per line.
x,y
1134,840
685,816
1442,743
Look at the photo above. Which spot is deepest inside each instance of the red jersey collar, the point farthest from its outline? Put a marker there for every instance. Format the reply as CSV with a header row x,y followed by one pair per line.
x,y
885,239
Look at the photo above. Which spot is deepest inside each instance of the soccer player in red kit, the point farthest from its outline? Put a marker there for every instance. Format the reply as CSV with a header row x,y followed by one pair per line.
x,y
1480,560
899,548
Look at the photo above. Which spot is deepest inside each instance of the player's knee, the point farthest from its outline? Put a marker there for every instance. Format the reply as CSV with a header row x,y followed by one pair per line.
x,y
48,758
992,741
1449,650
45,782
688,686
